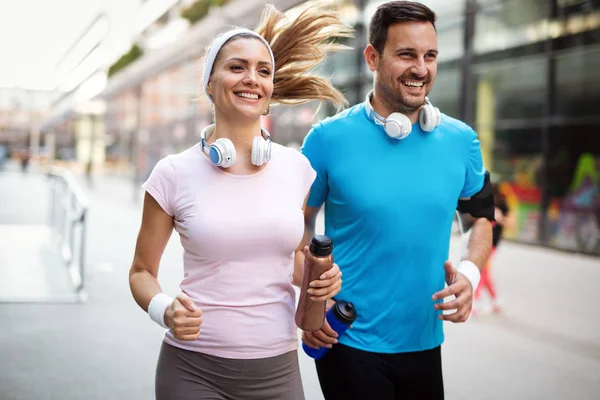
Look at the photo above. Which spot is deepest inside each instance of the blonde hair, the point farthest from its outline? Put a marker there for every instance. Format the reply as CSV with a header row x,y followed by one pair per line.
x,y
300,45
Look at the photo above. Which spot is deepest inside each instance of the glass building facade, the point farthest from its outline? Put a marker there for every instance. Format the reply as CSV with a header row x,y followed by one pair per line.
x,y
530,84
526,76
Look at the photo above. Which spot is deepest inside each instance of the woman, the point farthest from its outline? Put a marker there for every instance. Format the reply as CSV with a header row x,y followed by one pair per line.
x,y
237,202
502,217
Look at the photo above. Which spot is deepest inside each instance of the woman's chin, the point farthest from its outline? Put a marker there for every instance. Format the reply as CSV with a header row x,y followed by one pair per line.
x,y
248,112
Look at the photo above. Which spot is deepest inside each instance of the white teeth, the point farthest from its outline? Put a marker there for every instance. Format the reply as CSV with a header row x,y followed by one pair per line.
x,y
413,84
248,96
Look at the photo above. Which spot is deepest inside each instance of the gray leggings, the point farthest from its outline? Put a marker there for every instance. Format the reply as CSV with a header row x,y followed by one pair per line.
x,y
187,375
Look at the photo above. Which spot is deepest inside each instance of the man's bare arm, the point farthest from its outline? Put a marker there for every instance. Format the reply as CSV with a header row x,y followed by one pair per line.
x,y
310,218
480,242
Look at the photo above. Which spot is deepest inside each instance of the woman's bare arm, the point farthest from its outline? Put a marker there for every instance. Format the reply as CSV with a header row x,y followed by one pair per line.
x,y
154,234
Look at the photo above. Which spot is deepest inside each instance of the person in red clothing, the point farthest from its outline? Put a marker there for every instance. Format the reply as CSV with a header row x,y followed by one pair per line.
x,y
501,214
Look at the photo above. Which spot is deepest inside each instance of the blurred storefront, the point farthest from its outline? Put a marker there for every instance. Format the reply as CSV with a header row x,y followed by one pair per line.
x,y
21,113
530,91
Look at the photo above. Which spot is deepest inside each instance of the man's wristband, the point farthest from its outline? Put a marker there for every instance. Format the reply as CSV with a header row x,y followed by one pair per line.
x,y
157,307
470,271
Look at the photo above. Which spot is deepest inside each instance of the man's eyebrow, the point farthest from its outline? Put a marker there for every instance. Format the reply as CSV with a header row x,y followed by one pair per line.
x,y
243,60
412,49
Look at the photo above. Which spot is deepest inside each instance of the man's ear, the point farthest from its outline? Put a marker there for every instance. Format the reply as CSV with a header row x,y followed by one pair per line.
x,y
371,57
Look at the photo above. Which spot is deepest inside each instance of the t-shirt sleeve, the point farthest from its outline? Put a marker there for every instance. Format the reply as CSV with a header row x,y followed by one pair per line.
x,y
162,185
475,172
313,150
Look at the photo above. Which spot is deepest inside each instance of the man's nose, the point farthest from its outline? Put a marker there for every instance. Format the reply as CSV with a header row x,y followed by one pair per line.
x,y
419,68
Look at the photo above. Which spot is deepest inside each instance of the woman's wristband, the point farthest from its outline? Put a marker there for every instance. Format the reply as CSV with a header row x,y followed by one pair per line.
x,y
470,271
157,307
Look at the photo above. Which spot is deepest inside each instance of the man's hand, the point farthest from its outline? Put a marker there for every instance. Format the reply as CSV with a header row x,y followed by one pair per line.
x,y
460,287
324,337
328,285
183,318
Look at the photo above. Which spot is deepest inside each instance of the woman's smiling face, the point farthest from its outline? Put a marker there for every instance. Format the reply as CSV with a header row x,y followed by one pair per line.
x,y
241,81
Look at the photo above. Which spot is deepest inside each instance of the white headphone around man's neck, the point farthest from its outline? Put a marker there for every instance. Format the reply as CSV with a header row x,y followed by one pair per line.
x,y
222,151
398,125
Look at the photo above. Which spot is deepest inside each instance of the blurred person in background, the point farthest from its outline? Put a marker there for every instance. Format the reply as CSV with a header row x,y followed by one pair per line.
x,y
24,159
503,220
391,172
3,156
236,200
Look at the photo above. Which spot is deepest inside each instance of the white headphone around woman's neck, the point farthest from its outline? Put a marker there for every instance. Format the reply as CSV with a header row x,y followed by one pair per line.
x,y
222,151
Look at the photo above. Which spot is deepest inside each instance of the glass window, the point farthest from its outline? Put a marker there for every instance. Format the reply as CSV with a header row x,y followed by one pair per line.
x,y
518,86
578,82
517,162
574,188
502,25
450,26
445,93
514,152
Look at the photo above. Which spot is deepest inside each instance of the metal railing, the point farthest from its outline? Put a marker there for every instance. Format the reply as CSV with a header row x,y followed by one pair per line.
x,y
68,212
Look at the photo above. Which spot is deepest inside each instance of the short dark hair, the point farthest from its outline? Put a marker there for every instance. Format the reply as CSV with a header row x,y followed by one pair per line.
x,y
394,12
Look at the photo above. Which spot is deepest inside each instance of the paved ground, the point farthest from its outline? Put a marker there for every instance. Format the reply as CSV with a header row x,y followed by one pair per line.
x,y
545,346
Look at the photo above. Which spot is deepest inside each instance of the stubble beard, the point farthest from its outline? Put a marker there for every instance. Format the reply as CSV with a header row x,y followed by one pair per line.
x,y
395,100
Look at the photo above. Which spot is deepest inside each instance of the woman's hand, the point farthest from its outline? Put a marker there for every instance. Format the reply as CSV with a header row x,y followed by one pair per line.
x,y
324,337
183,318
328,285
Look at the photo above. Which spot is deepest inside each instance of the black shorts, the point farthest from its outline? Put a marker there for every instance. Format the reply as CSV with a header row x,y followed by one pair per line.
x,y
346,373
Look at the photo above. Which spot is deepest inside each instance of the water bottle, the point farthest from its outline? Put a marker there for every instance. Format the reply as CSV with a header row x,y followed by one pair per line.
x,y
310,315
340,316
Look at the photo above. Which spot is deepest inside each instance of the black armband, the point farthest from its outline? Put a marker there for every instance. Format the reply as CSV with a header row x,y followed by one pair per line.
x,y
481,204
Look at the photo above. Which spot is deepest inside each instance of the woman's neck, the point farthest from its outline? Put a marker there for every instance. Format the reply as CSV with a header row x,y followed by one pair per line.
x,y
241,134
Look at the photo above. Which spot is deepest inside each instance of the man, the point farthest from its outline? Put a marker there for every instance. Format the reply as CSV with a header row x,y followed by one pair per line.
x,y
389,206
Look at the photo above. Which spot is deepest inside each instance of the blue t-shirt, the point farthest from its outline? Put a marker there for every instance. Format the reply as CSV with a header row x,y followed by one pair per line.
x,y
389,206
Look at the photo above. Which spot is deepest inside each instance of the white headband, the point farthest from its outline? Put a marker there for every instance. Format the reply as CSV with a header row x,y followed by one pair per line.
x,y
215,47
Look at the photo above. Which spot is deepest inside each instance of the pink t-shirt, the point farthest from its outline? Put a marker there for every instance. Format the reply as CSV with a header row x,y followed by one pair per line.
x,y
239,233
